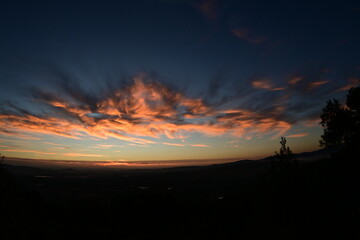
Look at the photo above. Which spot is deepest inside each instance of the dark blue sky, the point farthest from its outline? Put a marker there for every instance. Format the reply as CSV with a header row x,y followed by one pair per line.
x,y
182,38
276,59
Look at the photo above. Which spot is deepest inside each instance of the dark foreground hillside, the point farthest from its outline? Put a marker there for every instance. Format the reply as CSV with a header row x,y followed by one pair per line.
x,y
243,200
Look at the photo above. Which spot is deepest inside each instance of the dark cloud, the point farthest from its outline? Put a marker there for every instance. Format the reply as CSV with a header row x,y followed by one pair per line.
x,y
71,87
207,7
11,107
247,35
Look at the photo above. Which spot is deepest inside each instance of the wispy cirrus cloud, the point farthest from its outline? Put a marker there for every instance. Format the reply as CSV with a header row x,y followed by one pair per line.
x,y
124,163
18,135
82,155
265,83
138,112
351,82
199,145
60,148
183,145
295,80
316,84
174,144
298,135
103,146
28,151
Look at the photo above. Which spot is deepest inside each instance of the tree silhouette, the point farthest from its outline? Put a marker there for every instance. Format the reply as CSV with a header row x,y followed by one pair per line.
x,y
353,103
341,123
335,119
285,158
353,99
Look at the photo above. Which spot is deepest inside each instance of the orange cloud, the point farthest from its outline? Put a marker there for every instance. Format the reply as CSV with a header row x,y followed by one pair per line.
x,y
6,146
317,84
183,145
352,82
82,155
16,134
265,84
140,113
27,151
136,164
298,135
199,145
295,80
61,148
311,122
174,144
54,144
103,146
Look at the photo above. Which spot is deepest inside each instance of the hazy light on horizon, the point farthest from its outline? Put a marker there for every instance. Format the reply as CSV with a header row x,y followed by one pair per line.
x,y
170,80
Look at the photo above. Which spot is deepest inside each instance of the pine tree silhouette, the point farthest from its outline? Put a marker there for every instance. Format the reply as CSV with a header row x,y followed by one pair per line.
x,y
341,123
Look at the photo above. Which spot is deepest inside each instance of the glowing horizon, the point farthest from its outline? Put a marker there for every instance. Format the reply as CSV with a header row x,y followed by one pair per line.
x,y
168,80
146,120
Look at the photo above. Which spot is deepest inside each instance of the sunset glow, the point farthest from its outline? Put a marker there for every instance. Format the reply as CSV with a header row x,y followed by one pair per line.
x,y
143,114
198,82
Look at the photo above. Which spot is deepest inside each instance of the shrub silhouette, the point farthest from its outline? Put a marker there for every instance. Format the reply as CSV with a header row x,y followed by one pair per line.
x,y
284,159
2,159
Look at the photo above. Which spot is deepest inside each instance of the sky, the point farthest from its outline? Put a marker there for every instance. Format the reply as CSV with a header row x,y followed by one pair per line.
x,y
123,82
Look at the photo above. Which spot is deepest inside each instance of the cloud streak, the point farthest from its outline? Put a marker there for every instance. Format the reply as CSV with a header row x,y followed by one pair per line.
x,y
82,155
265,84
199,145
298,135
27,151
139,113
174,144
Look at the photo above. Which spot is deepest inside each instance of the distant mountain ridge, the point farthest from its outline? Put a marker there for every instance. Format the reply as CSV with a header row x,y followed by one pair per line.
x,y
311,156
246,165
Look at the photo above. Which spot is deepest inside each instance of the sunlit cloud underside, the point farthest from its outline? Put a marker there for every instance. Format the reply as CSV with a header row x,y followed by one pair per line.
x,y
144,112
140,113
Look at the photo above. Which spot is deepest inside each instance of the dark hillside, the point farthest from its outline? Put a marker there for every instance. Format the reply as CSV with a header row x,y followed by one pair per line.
x,y
246,199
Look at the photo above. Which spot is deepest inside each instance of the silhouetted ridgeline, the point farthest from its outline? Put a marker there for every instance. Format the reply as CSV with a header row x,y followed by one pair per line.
x,y
240,200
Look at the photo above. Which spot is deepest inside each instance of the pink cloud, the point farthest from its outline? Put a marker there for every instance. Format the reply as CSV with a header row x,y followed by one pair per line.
x,y
27,151
174,144
103,146
142,112
317,84
123,163
298,135
82,155
295,80
199,145
265,84
6,146
61,148
15,134
352,82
